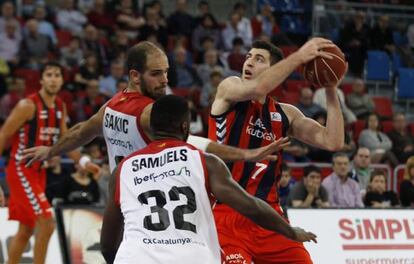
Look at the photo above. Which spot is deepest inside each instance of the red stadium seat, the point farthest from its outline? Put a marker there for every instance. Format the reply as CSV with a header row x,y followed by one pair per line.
x,y
287,50
383,106
277,93
411,129
31,77
290,98
346,88
358,126
183,92
64,37
386,126
325,172
296,173
296,85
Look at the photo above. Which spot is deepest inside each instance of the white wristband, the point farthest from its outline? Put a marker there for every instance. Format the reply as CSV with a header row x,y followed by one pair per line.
x,y
83,160
199,142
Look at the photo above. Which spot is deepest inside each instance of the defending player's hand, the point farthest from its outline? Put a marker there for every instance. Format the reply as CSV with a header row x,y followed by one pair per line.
x,y
313,48
265,153
40,153
303,236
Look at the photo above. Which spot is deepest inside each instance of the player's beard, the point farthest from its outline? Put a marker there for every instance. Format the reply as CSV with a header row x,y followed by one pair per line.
x,y
145,90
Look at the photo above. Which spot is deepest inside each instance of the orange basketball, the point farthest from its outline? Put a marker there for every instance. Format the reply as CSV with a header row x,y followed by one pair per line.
x,y
321,72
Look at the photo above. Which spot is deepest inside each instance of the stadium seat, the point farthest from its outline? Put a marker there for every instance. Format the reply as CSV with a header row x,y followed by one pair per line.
x,y
346,88
378,66
31,77
396,63
405,89
277,93
290,98
64,37
287,50
296,85
399,39
358,126
383,106
386,126
411,129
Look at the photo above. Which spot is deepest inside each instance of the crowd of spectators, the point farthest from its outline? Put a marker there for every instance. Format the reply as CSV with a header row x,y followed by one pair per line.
x,y
90,39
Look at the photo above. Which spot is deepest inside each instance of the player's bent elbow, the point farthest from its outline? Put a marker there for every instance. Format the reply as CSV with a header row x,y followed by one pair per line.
x,y
335,146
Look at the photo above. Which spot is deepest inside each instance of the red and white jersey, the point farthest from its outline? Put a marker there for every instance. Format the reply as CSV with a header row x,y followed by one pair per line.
x,y
121,125
43,130
162,191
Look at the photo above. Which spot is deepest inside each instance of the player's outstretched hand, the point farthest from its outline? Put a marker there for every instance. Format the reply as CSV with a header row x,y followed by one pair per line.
x,y
2,198
265,153
40,153
313,48
303,236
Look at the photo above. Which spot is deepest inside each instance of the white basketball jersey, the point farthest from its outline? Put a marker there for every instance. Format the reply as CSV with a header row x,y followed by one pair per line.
x,y
121,128
166,208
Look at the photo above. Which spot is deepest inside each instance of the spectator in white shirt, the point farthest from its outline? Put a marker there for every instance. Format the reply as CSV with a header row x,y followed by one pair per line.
x,y
320,98
69,18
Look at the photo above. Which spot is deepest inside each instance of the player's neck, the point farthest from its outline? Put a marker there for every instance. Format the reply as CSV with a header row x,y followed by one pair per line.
x,y
47,98
261,100
163,136
133,89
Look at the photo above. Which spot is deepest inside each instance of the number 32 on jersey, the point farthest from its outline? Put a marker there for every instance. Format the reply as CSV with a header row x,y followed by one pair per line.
x,y
178,213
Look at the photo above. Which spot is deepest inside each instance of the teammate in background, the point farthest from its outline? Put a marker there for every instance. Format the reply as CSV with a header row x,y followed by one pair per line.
x,y
244,116
124,120
37,120
160,202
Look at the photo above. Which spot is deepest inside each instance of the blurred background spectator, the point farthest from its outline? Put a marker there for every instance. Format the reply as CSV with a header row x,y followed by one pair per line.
x,y
342,190
377,195
309,193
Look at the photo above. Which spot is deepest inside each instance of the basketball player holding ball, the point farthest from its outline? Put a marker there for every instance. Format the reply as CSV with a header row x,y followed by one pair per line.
x,y
244,116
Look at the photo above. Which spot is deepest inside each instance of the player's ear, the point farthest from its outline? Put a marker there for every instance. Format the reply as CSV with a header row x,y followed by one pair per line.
x,y
185,128
135,76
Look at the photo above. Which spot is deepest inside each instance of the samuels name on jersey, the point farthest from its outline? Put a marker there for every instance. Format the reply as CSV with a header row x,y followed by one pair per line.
x,y
160,161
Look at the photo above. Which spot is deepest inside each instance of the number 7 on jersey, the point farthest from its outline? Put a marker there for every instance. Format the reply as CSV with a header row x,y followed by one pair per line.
x,y
260,167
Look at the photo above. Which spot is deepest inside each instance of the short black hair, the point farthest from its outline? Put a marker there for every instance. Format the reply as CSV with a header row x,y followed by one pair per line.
x,y
377,172
276,54
237,41
168,113
137,56
284,167
339,154
309,169
53,64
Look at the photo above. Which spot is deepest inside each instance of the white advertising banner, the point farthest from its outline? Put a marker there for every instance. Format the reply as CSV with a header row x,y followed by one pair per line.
x,y
9,228
352,236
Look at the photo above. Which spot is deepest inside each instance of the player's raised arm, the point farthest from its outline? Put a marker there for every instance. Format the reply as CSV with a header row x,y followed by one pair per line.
x,y
234,89
76,137
112,225
225,152
229,192
330,137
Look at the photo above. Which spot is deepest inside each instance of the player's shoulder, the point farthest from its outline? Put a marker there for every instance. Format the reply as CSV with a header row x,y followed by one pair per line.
x,y
290,110
231,80
26,104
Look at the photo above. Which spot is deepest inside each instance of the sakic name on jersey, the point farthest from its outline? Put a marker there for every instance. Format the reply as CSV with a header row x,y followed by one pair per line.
x,y
116,123
159,161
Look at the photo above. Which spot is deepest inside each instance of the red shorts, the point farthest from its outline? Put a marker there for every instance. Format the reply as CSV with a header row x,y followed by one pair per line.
x,y
243,241
27,194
